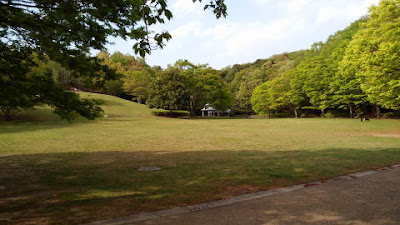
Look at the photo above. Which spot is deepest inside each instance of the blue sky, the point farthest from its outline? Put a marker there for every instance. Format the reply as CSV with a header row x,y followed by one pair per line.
x,y
253,29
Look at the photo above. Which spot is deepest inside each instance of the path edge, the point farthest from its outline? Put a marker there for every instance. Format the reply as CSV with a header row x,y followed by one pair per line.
x,y
236,199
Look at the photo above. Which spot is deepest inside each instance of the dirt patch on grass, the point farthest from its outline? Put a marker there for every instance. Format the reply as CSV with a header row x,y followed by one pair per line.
x,y
392,135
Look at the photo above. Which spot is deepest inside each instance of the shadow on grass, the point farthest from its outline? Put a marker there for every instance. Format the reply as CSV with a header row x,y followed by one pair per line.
x,y
73,188
34,125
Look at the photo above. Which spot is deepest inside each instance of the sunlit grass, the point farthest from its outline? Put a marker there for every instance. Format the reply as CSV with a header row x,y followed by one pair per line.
x,y
53,171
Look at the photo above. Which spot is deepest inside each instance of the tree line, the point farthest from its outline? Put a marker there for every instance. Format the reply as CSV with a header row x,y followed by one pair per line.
x,y
355,70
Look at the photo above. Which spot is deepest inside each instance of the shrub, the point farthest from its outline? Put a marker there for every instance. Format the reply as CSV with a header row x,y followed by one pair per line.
x,y
329,115
391,115
170,113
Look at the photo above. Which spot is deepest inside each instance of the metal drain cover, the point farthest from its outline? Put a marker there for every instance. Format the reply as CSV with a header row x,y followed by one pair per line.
x,y
148,169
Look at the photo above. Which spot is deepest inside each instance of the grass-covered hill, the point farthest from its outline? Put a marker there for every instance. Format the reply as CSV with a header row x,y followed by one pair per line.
x,y
55,172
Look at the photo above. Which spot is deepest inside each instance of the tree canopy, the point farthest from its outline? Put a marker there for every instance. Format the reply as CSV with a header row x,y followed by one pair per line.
x,y
354,68
66,32
373,56
185,86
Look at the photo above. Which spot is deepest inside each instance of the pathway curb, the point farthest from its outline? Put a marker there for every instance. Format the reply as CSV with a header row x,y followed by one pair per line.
x,y
236,199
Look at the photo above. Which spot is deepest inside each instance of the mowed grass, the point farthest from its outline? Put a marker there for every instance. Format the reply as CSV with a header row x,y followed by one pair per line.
x,y
55,172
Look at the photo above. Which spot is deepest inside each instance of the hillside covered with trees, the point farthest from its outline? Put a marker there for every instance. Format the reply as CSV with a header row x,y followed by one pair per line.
x,y
356,70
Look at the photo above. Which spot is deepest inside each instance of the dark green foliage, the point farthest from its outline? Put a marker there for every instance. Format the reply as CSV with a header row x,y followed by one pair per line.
x,y
113,87
168,91
32,84
65,32
15,92
68,105
72,28
185,86
170,113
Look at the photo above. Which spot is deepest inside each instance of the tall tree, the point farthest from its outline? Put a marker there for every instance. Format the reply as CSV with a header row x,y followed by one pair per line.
x,y
198,85
345,87
169,91
279,93
316,78
374,56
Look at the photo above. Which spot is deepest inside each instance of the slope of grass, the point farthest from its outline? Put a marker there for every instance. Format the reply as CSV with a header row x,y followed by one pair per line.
x,y
52,171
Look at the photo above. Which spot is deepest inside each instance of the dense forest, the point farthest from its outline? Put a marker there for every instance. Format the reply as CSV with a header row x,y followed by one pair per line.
x,y
356,70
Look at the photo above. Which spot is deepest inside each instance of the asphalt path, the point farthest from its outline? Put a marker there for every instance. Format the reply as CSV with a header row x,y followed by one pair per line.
x,y
368,200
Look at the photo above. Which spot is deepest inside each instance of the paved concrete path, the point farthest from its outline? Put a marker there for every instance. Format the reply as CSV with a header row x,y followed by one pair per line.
x,y
372,198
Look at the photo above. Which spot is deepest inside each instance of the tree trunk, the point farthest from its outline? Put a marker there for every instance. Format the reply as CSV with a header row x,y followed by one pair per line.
x,y
378,111
139,100
295,113
351,110
192,106
322,112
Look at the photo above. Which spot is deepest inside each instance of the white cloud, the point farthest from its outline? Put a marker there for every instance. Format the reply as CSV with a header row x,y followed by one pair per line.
x,y
222,31
188,29
241,38
183,8
360,9
263,2
342,10
325,15
297,5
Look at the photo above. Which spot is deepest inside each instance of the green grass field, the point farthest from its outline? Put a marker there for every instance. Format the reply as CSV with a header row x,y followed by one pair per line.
x,y
56,172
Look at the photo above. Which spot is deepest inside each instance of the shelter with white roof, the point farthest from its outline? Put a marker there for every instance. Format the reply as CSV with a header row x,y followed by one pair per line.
x,y
210,111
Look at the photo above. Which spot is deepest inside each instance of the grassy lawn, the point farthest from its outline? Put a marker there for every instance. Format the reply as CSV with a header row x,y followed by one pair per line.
x,y
56,172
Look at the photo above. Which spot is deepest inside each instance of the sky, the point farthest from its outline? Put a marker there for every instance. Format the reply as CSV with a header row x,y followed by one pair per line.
x,y
253,29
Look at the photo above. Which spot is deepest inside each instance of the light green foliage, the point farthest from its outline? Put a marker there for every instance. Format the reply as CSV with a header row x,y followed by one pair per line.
x,y
344,88
267,97
247,77
277,94
134,75
62,76
374,55
137,82
316,77
325,78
